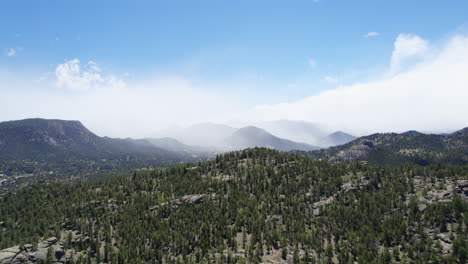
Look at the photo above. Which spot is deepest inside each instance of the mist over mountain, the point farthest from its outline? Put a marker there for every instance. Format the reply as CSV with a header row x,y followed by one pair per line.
x,y
233,132
212,135
203,134
317,184
174,145
336,138
40,145
59,140
300,131
248,137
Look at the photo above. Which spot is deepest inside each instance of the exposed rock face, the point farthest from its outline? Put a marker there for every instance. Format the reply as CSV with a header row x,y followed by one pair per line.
x,y
463,187
9,255
356,152
49,139
351,186
29,254
347,187
193,198
382,149
439,191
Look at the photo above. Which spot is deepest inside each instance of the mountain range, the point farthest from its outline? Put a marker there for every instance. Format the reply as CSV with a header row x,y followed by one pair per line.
x,y
54,141
215,135
203,134
256,205
248,137
335,139
408,147
41,139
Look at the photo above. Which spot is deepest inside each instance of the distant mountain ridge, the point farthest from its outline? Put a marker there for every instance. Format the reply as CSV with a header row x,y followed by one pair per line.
x,y
392,148
298,131
203,134
213,135
336,138
174,145
251,136
51,139
58,140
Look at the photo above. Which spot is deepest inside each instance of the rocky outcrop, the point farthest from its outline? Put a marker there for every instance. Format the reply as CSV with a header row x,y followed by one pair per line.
x,y
462,187
345,188
11,255
437,190
51,249
358,151
351,186
193,198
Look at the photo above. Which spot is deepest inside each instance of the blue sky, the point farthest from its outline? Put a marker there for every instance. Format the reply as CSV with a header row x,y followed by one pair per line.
x,y
220,39
284,50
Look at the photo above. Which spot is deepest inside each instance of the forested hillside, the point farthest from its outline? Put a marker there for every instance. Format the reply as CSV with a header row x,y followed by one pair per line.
x,y
255,205
36,149
396,149
60,140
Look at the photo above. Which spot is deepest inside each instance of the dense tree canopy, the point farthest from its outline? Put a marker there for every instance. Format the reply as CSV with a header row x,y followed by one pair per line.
x,y
250,206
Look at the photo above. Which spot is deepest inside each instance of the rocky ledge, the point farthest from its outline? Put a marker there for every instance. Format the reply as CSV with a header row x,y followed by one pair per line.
x,y
48,250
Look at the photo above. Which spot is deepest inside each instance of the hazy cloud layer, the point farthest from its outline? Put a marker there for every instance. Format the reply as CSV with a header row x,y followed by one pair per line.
x,y
133,109
430,96
425,88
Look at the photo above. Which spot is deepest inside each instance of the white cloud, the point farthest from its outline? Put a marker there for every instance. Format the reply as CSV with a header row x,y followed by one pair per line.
x,y
407,47
371,34
428,97
330,79
136,109
312,63
11,52
72,75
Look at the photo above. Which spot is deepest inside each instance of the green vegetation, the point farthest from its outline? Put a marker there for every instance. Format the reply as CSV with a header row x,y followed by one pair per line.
x,y
392,149
251,206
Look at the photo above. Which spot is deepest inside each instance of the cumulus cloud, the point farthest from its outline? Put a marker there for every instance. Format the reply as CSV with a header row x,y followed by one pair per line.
x,y
407,47
72,75
428,97
11,52
371,34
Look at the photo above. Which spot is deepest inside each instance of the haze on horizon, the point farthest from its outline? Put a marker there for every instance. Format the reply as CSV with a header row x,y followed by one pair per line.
x,y
127,69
